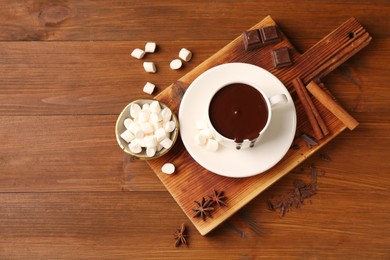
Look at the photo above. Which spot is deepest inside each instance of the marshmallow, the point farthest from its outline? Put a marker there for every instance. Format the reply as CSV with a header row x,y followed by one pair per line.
x,y
206,133
166,114
155,107
149,88
159,147
150,47
134,110
150,151
146,106
175,64
185,54
155,117
147,128
168,168
127,136
138,53
150,141
135,147
158,125
127,122
169,126
200,139
160,134
212,145
200,124
143,115
136,130
150,67
166,143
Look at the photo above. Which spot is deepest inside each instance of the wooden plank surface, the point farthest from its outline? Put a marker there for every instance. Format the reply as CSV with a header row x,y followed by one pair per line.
x,y
75,195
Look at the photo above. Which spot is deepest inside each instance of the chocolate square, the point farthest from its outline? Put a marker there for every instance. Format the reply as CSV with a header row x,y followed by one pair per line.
x,y
269,35
281,57
252,40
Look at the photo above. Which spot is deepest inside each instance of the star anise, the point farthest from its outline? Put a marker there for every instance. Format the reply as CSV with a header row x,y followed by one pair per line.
x,y
203,209
180,236
217,198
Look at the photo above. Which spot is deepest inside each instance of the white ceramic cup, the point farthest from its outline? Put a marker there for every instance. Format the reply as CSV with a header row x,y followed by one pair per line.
x,y
272,102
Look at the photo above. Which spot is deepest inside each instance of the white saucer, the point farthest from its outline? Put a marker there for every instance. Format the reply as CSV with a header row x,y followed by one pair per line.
x,y
227,161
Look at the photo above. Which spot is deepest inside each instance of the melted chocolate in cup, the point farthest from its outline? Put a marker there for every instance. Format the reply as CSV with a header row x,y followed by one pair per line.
x,y
238,112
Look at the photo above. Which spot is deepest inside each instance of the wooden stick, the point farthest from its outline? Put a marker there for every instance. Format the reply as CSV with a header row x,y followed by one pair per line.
x,y
300,88
332,106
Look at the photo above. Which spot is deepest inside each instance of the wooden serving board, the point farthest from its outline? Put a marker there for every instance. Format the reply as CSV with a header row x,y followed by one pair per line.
x,y
191,181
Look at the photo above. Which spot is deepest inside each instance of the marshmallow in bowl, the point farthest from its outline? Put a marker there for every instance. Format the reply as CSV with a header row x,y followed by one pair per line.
x,y
148,128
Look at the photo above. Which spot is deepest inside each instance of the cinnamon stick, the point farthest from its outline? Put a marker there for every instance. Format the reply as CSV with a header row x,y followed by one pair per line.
x,y
328,102
300,88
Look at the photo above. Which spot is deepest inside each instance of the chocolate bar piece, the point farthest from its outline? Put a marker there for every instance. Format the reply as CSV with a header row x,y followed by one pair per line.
x,y
269,35
281,57
252,40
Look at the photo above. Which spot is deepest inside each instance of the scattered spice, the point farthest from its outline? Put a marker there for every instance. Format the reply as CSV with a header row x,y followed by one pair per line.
x,y
217,198
181,236
310,142
296,197
203,209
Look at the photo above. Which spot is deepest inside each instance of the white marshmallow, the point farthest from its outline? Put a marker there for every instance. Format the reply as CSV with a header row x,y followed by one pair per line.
x,y
155,107
136,130
150,67
150,141
158,125
149,88
200,124
166,114
150,151
127,136
185,54
206,133
146,106
150,47
134,110
200,139
175,64
127,122
160,134
166,143
169,126
159,147
135,147
138,53
143,115
155,117
212,145
147,128
168,168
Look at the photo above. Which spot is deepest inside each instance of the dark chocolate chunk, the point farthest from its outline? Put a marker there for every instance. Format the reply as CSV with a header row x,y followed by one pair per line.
x,y
252,40
281,57
269,35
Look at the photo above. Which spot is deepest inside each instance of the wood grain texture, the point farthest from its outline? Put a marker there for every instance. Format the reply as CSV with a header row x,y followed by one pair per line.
x,y
67,191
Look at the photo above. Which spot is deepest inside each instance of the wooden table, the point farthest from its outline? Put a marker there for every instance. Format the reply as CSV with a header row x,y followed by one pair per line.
x,y
67,191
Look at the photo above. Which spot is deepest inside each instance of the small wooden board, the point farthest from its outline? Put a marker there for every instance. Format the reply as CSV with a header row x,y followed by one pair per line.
x,y
191,181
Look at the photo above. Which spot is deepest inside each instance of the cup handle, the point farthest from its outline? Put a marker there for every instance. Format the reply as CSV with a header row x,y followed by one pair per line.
x,y
278,100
